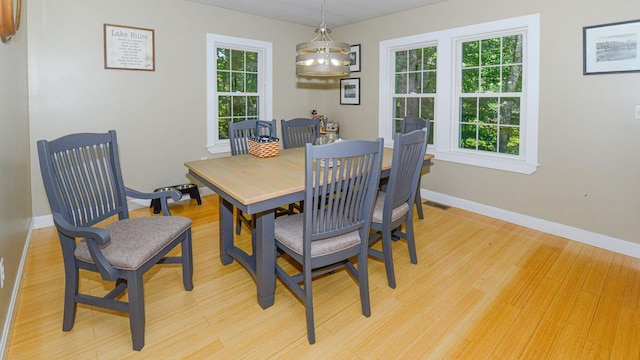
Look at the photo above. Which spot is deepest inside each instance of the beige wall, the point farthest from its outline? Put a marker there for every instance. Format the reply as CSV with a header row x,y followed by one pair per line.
x,y
589,143
15,177
160,116
588,149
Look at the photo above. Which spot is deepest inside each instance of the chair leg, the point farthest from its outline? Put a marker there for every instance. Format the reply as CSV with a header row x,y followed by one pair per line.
x,y
363,283
418,202
388,257
70,292
136,309
308,306
238,221
411,243
187,262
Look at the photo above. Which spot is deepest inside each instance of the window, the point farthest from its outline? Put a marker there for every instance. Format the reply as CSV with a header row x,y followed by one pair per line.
x,y
239,78
477,86
415,86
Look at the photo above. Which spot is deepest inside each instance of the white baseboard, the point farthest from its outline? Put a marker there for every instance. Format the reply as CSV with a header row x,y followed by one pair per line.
x,y
47,220
11,311
572,233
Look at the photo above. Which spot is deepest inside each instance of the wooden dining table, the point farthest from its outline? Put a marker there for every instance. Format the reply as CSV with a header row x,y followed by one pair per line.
x,y
258,186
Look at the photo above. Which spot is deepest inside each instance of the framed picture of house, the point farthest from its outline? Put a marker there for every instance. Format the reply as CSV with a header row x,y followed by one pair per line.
x,y
128,48
611,48
354,55
350,91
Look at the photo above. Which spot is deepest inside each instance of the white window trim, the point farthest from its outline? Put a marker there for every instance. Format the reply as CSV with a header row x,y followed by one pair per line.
x,y
445,141
265,74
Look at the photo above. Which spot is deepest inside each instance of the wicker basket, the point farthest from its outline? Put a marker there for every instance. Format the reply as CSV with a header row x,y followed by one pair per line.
x,y
263,149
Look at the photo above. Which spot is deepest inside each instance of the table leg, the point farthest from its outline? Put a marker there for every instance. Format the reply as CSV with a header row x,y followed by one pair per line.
x,y
225,224
265,258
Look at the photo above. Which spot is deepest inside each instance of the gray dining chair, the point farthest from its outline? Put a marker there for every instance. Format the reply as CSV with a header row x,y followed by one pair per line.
x,y
296,133
300,131
341,182
239,132
393,206
84,186
410,124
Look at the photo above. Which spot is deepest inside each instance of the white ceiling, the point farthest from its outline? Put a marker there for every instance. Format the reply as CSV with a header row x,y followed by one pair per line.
x,y
309,12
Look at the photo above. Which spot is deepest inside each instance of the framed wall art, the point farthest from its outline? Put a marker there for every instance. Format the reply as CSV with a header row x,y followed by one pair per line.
x,y
611,48
350,91
128,48
354,55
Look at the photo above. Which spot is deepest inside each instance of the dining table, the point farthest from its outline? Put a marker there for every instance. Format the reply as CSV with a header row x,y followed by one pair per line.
x,y
257,186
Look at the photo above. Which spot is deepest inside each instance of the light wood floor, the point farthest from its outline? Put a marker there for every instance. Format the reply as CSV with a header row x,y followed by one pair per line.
x,y
483,289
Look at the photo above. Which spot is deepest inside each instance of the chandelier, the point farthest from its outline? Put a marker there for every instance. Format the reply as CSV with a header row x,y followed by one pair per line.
x,y
322,56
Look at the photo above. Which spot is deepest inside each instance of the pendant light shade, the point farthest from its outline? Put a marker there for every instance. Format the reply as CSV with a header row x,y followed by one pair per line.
x,y
322,56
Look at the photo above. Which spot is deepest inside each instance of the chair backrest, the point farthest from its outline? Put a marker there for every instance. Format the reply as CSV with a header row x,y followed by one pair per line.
x,y
408,155
82,177
300,131
240,131
410,124
341,182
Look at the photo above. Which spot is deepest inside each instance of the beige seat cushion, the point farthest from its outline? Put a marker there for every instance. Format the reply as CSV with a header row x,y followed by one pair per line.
x,y
396,213
289,231
135,241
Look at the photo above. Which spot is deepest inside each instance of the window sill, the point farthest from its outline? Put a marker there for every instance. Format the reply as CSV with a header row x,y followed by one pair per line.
x,y
497,163
219,148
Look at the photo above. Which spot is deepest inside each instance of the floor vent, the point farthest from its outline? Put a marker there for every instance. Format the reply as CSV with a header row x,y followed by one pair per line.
x,y
436,205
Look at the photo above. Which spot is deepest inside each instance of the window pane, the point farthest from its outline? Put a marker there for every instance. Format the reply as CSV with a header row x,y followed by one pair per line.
x,y
487,138
224,106
413,107
429,58
401,61
427,108
397,126
239,106
429,82
223,78
237,82
490,79
512,49
470,81
237,60
468,136
488,110
512,78
468,109
223,59
430,140
510,111
509,140
252,61
415,60
223,128
252,83
399,107
490,50
401,83
252,106
471,54
415,83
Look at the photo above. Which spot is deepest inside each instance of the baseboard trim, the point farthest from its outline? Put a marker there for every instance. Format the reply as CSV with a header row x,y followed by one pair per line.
x,y
572,233
11,311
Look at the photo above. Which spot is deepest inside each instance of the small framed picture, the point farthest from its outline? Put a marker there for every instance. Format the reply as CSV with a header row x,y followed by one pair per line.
x,y
128,48
611,48
350,91
354,55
